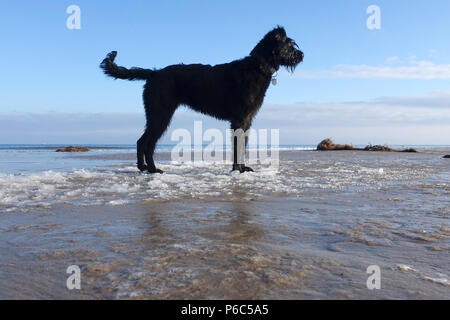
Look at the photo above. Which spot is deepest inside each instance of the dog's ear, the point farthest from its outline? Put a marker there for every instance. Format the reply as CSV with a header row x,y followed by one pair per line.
x,y
280,33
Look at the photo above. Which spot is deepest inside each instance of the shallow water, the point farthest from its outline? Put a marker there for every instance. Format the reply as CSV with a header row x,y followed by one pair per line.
x,y
307,231
112,179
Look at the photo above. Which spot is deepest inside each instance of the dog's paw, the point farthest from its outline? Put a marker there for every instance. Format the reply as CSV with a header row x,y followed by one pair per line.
x,y
142,167
155,170
241,168
247,169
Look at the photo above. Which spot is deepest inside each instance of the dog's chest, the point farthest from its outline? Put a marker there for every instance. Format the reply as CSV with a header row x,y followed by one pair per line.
x,y
255,95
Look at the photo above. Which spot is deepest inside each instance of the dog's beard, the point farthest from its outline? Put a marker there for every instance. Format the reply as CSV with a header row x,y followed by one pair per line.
x,y
291,68
292,57
293,61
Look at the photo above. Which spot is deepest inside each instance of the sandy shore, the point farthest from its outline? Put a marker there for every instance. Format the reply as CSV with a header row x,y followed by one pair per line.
x,y
275,249
308,232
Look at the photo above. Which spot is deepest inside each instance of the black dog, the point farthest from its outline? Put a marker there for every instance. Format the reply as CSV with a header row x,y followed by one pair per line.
x,y
232,91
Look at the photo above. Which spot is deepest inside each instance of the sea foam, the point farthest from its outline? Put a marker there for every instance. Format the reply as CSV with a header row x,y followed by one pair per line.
x,y
199,180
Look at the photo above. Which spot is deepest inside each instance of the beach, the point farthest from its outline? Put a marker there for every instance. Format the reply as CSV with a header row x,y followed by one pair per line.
x,y
308,230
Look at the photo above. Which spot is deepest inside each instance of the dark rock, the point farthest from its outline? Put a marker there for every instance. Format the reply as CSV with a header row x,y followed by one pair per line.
x,y
73,149
328,144
377,148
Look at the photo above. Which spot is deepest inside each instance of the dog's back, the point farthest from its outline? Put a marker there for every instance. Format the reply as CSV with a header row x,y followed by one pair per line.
x,y
214,90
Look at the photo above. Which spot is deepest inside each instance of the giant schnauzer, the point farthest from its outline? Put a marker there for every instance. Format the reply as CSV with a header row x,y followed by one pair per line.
x,y
232,91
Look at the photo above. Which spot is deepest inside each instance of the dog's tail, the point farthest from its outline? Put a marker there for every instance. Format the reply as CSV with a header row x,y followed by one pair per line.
x,y
113,70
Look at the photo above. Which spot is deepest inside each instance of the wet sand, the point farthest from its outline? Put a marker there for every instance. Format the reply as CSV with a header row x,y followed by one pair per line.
x,y
314,244
272,249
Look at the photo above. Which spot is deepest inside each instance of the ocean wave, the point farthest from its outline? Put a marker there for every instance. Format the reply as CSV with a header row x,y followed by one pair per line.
x,y
199,180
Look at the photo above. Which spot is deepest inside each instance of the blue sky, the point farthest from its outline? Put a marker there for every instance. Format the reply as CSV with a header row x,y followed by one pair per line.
x,y
385,86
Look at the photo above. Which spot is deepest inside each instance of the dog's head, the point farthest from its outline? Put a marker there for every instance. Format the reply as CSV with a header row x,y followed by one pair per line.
x,y
277,49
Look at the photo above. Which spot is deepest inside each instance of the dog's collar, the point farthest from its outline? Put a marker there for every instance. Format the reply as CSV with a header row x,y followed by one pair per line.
x,y
274,78
267,69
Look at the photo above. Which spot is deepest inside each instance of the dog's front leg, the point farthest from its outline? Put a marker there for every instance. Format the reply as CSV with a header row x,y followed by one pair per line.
x,y
239,143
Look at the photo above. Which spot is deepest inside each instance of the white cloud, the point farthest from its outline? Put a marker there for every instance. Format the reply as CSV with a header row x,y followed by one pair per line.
x,y
396,68
390,120
378,113
432,109
393,59
437,99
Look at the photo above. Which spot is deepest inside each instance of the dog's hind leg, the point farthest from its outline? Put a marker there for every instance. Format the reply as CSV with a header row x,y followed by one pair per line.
x,y
140,147
157,124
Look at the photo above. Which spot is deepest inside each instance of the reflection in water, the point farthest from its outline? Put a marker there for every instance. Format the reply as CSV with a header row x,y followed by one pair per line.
x,y
309,231
234,221
204,251
243,226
